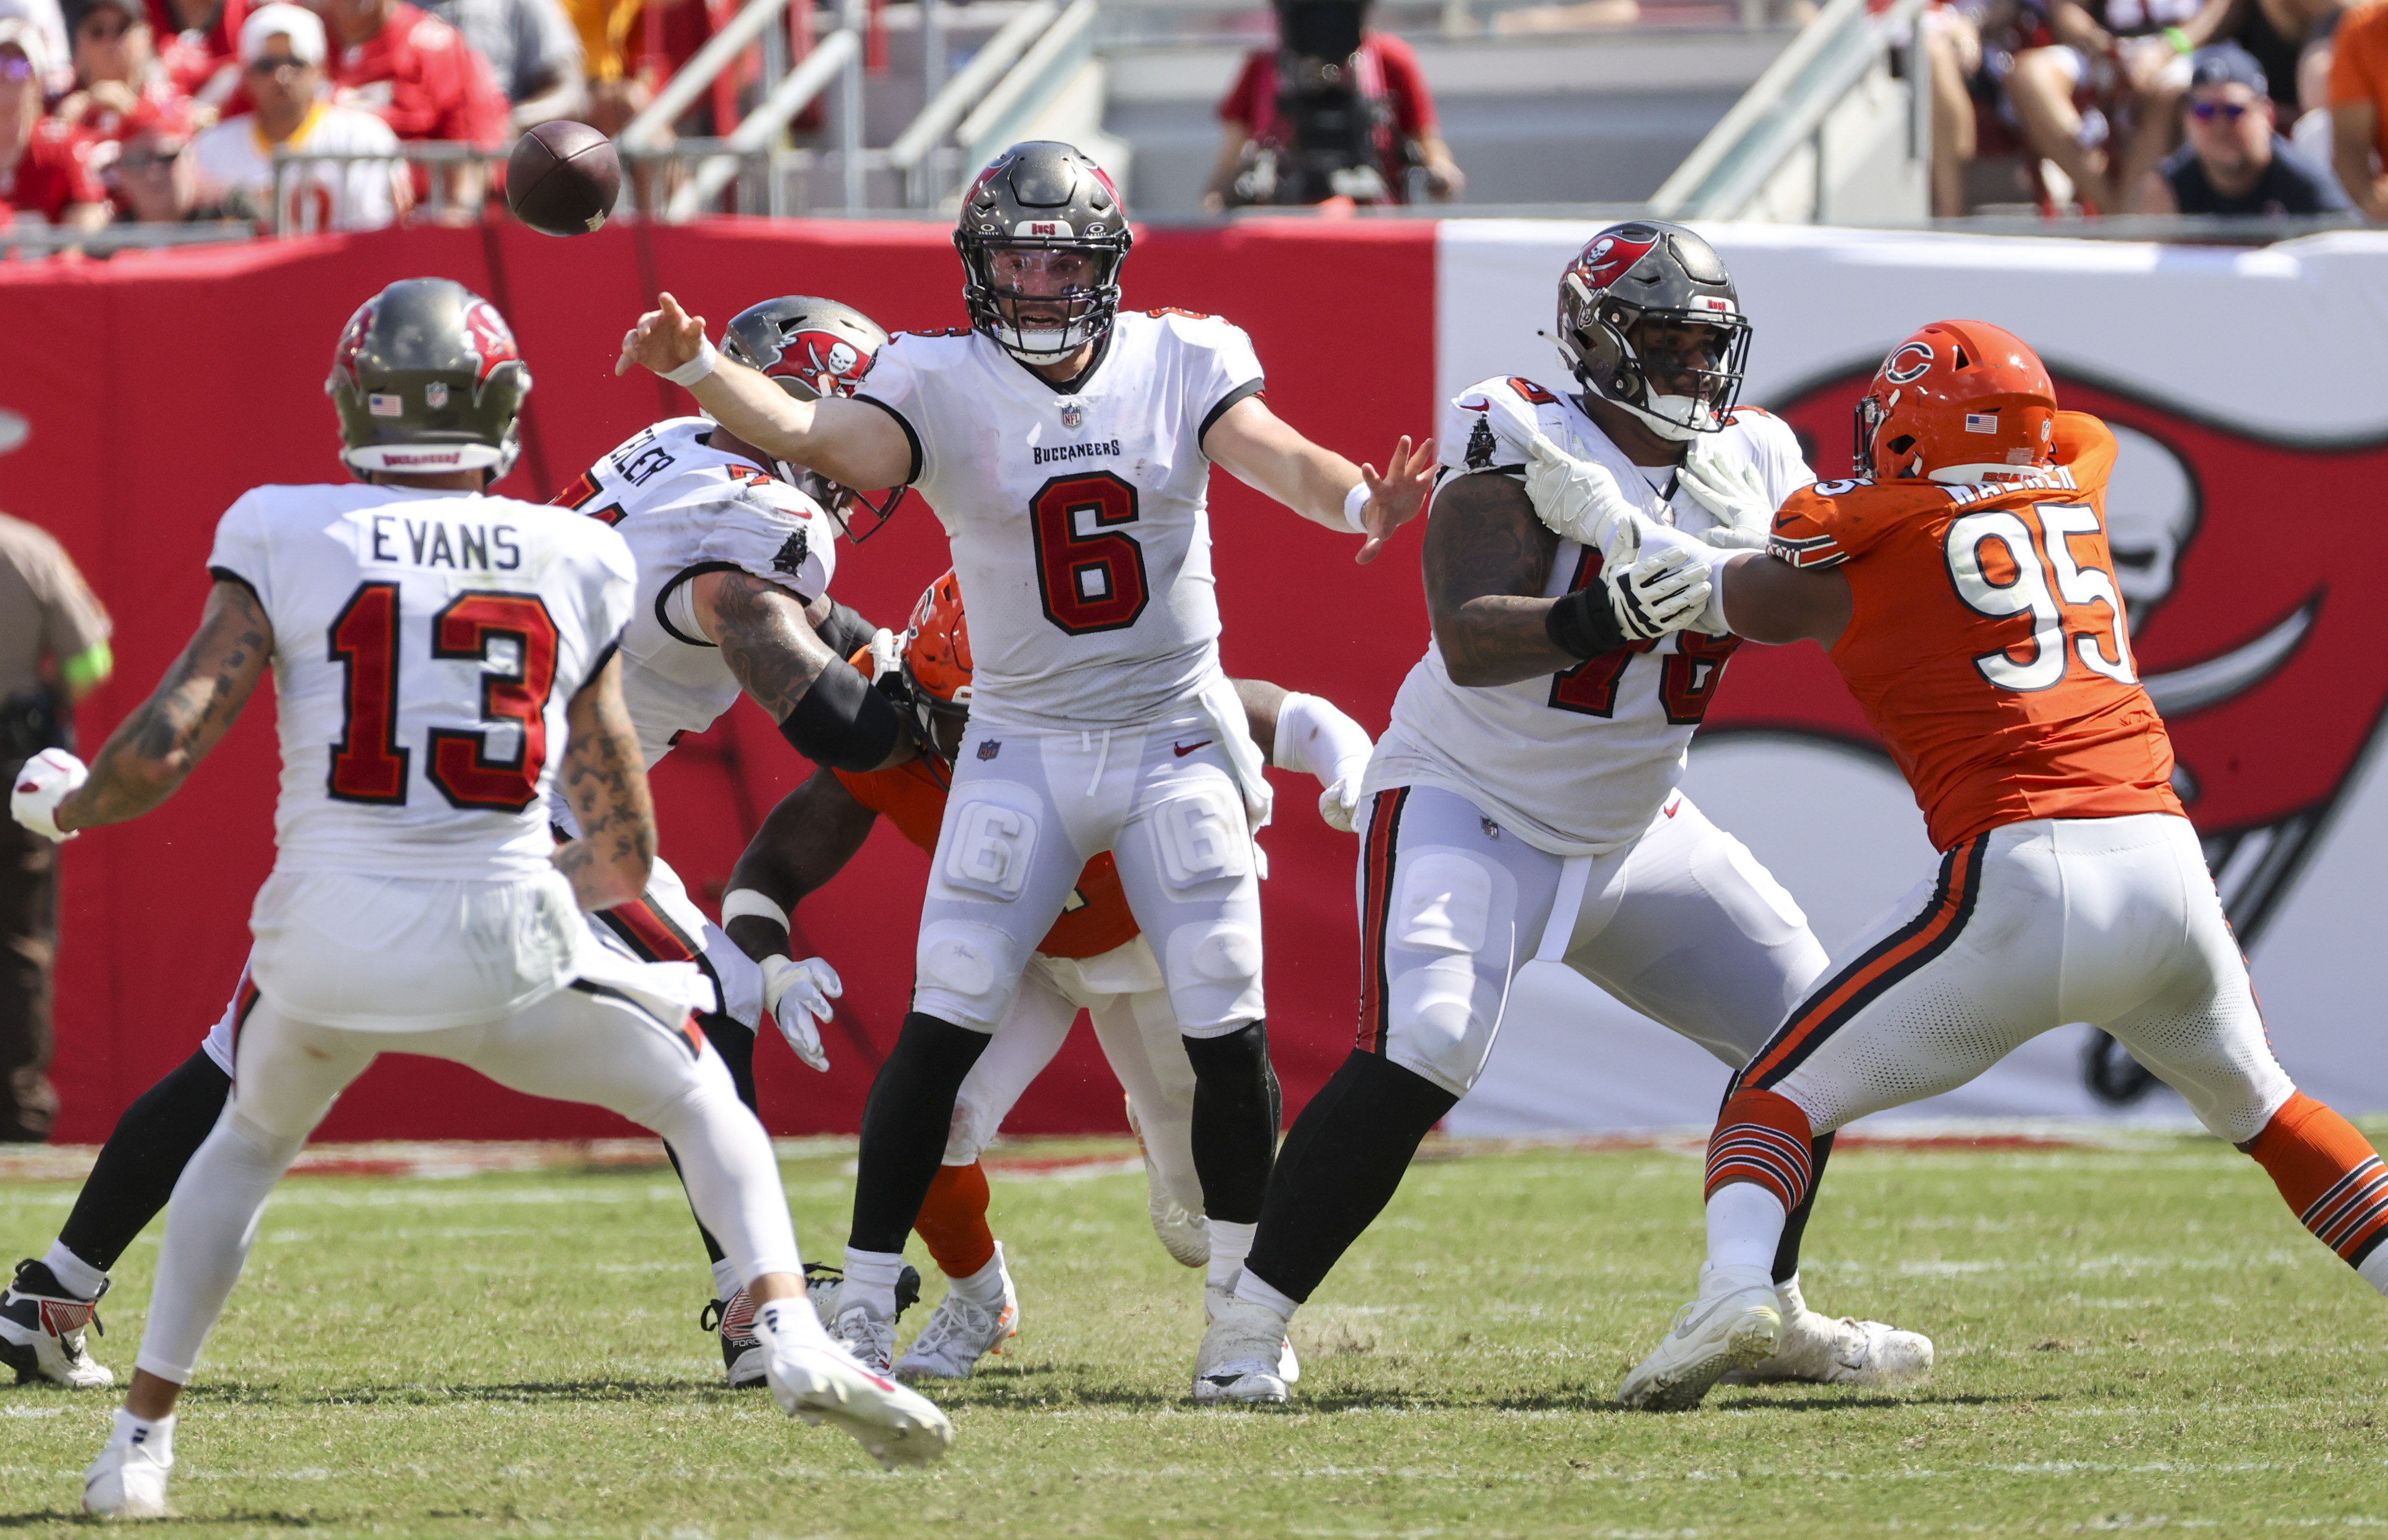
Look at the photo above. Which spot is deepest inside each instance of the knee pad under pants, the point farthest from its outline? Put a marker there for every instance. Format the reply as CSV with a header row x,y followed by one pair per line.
x,y
1448,906
1186,866
1001,871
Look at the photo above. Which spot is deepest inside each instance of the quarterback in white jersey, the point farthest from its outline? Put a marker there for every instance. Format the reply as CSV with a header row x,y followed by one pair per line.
x,y
1067,447
440,657
1523,800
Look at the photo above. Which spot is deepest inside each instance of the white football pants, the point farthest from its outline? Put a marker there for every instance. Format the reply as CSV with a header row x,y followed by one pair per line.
x,y
1683,925
577,1045
1122,995
2111,921
1030,808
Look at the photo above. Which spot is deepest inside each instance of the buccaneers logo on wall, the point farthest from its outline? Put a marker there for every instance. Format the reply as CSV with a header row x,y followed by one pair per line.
x,y
2267,672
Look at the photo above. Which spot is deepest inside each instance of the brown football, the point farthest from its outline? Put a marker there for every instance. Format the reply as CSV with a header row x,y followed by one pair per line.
x,y
563,178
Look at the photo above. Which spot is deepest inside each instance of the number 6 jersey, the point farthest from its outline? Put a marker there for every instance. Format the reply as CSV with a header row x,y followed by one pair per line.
x,y
1987,642
1079,520
426,646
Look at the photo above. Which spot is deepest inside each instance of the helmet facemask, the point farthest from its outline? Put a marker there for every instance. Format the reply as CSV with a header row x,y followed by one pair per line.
x,y
1625,353
931,712
1041,299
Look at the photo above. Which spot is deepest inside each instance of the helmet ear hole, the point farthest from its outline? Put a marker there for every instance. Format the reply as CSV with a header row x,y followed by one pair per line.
x,y
1903,443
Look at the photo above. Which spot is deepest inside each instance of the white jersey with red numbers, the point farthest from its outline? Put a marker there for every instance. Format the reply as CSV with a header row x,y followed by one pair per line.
x,y
686,509
426,646
1079,518
1575,763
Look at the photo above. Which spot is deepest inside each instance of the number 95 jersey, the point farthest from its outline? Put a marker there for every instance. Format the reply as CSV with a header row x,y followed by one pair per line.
x,y
1987,641
426,646
1079,520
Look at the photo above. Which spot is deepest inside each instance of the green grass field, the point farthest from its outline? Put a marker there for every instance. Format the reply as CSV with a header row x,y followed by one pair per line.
x,y
2133,1337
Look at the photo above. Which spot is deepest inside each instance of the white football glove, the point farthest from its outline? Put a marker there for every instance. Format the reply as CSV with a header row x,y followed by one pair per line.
x,y
1655,591
1340,804
1732,491
46,780
886,653
1576,498
798,995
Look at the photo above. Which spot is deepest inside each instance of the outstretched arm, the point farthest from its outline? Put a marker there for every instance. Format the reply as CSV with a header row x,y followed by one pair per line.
x,y
851,443
1488,558
607,787
1261,450
153,750
1770,600
806,841
828,711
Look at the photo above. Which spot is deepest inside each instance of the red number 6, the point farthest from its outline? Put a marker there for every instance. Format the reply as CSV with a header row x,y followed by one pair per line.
x,y
1094,580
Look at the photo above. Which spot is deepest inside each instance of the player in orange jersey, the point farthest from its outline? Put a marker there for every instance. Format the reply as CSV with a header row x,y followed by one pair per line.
x,y
1963,585
1093,958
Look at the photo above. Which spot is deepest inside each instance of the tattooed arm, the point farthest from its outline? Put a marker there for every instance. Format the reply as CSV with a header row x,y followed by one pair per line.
x,y
607,787
769,644
155,749
1487,559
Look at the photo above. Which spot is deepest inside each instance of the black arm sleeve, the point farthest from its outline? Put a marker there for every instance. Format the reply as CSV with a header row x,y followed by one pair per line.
x,y
1581,624
842,722
843,631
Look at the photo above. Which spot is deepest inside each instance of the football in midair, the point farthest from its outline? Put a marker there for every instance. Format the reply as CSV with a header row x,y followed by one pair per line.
x,y
563,178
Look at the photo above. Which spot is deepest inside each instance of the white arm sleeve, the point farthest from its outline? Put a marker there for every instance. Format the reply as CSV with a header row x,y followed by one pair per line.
x,y
1312,734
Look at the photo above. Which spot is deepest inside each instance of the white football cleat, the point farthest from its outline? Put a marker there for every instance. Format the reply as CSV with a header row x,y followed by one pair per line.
x,y
1185,1236
41,1331
1734,1322
128,1480
1824,1351
869,1336
1215,1300
1240,1354
820,1382
960,1332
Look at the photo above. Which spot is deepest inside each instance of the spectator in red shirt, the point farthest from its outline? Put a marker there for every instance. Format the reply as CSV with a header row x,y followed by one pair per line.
x,y
41,169
116,77
1333,111
417,74
199,42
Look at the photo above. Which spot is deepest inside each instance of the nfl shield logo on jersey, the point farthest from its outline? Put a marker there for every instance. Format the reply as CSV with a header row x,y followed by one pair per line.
x,y
991,748
1073,416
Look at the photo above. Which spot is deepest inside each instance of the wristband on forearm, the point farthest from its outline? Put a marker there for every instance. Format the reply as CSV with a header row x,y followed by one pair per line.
x,y
745,904
1581,624
696,368
1355,503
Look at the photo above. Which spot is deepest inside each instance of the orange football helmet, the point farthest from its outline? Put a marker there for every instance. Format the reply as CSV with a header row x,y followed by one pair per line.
x,y
937,663
1958,401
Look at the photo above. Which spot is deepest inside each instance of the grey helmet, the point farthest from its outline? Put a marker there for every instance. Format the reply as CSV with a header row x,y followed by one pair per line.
x,y
427,378
1042,196
813,348
1644,271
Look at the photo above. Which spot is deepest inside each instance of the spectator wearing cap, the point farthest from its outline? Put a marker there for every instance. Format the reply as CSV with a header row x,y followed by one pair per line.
x,y
417,74
116,76
2133,56
282,51
533,50
199,42
42,172
44,16
2358,108
2236,160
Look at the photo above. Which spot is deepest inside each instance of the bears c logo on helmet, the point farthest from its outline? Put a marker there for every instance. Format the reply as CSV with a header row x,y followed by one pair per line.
x,y
1909,364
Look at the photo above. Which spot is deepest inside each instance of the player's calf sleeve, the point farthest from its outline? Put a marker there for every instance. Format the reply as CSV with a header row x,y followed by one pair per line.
x,y
1762,1137
904,1123
1235,1102
2332,1179
1341,1164
208,1234
735,1044
1795,1224
732,1178
142,1159
953,1221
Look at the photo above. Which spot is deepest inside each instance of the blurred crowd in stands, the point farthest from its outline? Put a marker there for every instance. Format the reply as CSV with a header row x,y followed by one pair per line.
x,y
161,111
2159,107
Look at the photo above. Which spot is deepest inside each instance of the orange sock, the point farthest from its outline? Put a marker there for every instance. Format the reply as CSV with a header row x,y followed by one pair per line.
x,y
953,1221
1763,1136
2329,1174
